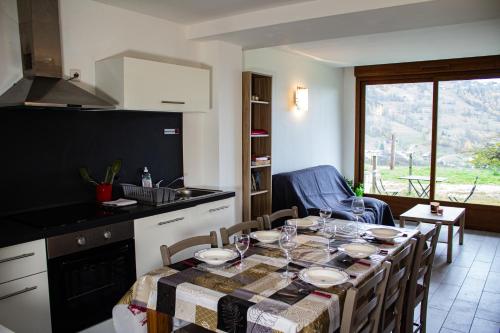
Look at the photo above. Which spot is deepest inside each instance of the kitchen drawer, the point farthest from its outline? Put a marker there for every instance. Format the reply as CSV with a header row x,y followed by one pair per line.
x,y
163,229
214,215
24,304
20,260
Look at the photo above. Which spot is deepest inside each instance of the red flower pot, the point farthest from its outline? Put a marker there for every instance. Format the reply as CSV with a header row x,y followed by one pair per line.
x,y
103,192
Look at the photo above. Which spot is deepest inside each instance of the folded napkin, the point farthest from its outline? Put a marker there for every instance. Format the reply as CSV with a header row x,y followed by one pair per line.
x,y
120,203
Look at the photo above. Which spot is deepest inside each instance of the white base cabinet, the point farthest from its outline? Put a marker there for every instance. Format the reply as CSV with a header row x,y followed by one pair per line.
x,y
214,215
24,288
166,229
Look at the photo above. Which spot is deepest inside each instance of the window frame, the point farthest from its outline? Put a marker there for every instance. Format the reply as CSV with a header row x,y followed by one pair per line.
x,y
478,216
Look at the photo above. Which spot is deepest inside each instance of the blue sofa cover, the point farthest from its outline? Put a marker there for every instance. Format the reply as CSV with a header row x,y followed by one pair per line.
x,y
323,186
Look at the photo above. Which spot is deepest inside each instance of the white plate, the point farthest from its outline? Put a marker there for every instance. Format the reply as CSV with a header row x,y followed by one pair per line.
x,y
215,256
384,233
359,250
323,277
306,222
267,236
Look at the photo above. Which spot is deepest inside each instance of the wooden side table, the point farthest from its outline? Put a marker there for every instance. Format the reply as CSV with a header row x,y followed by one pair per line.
x,y
451,215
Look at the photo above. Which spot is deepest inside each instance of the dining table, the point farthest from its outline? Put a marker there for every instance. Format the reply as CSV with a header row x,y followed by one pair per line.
x,y
252,295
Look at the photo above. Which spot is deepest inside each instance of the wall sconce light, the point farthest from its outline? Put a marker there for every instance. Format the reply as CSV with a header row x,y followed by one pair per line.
x,y
302,98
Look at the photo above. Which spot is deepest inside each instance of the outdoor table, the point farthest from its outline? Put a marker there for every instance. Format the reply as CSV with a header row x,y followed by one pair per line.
x,y
422,190
230,298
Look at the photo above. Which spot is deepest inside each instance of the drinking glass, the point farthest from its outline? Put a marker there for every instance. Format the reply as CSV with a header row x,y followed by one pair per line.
x,y
241,242
358,209
324,214
287,243
290,228
330,231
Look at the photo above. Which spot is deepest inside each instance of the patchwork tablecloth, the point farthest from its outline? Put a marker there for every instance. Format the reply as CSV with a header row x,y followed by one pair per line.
x,y
255,298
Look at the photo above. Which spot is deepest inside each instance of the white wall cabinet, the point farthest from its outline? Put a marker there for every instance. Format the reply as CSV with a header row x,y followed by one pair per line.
x,y
153,231
139,84
24,290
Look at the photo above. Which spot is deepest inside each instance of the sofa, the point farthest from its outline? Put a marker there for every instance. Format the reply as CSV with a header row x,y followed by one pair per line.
x,y
323,186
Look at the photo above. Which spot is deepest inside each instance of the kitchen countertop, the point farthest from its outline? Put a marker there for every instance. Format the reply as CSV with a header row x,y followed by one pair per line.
x,y
13,232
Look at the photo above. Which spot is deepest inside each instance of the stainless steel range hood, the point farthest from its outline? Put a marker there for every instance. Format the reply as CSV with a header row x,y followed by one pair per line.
x,y
42,84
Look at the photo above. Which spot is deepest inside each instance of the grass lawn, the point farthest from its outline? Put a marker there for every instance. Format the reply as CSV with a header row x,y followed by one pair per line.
x,y
459,182
453,175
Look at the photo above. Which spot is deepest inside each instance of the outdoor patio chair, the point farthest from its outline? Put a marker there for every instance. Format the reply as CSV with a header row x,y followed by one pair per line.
x,y
456,197
379,185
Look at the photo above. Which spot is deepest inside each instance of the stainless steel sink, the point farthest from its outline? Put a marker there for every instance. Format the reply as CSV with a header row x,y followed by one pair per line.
x,y
191,192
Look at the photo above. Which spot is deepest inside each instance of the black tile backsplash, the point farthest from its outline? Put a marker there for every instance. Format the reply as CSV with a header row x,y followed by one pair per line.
x,y
41,151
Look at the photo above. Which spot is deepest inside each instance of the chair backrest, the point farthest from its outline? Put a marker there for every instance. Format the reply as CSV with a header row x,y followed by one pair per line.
x,y
472,190
244,227
363,305
421,270
392,310
280,215
168,251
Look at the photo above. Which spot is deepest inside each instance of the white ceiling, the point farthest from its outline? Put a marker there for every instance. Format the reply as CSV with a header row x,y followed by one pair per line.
x,y
340,32
445,42
194,11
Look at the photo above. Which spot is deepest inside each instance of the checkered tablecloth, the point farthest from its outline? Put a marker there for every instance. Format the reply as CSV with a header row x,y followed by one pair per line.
x,y
255,298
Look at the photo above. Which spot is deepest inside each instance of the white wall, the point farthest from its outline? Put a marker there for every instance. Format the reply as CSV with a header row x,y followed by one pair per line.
x,y
348,115
302,139
10,48
91,31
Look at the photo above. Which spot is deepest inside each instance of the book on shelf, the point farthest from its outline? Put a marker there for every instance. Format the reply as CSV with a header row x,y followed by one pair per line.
x,y
260,163
259,132
255,181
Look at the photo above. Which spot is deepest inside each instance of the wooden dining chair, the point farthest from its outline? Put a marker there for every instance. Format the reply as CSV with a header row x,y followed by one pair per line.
x,y
279,217
392,309
244,227
363,305
168,251
418,284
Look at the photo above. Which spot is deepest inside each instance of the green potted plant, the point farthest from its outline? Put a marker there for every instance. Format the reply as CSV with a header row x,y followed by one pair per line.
x,y
359,190
104,189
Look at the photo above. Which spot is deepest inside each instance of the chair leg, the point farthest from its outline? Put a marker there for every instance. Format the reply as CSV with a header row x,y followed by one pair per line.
x,y
423,315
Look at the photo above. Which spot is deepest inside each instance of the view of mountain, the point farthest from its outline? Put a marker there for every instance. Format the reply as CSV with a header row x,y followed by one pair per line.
x,y
469,119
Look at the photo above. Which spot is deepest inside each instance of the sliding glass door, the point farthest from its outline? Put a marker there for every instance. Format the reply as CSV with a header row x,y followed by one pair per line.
x,y
398,123
468,141
430,131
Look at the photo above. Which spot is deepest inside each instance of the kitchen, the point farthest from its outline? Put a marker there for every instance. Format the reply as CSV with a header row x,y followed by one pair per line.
x,y
133,131
51,229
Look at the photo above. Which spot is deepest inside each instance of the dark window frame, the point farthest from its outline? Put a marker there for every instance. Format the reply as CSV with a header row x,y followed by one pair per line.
x,y
478,216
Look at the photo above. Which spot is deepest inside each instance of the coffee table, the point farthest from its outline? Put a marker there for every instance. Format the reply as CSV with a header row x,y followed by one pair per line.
x,y
450,217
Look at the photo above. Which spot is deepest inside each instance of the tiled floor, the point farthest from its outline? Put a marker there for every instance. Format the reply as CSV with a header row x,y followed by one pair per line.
x,y
465,296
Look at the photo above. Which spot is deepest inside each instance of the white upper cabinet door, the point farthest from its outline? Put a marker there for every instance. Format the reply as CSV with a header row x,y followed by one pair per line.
x,y
139,84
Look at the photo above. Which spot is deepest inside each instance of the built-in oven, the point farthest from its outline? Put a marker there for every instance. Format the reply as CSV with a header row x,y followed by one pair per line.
x,y
89,271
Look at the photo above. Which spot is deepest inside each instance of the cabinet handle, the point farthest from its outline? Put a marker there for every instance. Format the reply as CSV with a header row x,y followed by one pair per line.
x,y
173,102
21,256
172,220
213,210
25,290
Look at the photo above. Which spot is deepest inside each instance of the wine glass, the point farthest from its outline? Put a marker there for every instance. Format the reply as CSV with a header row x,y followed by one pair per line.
x,y
324,214
241,242
290,228
287,243
358,209
330,231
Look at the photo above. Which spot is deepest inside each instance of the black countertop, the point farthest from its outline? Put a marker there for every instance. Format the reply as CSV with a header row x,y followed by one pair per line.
x,y
13,231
